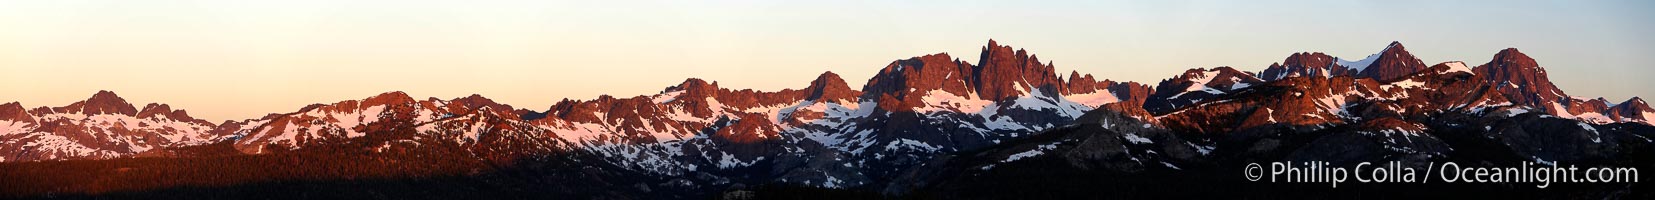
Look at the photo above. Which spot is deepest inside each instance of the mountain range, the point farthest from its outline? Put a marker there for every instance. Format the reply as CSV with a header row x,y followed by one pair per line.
x,y
927,125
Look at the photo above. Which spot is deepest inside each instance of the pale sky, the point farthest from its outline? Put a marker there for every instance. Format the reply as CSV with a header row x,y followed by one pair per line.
x,y
242,59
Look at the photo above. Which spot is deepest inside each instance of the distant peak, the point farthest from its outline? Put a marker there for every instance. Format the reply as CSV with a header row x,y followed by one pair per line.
x,y
830,87
1511,52
153,106
106,102
1395,48
159,109
388,98
478,101
1632,105
391,94
1197,70
692,84
829,75
828,80
1391,63
105,95
474,98
1202,70
1511,57
1003,72
1308,55
14,111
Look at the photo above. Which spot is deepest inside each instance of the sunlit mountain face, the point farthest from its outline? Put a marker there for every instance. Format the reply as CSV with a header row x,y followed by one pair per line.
x,y
1007,125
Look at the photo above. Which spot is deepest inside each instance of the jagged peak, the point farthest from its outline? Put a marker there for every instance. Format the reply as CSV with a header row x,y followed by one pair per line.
x,y
827,80
828,76
387,98
1220,69
391,95
476,100
1634,101
901,65
106,96
1632,106
1005,53
473,97
939,54
1316,60
693,82
1301,64
14,111
1391,63
1303,54
157,106
830,87
152,109
1512,51
106,102
694,86
13,106
1395,50
160,109
1510,60
1394,45
1195,70
1003,73
1511,56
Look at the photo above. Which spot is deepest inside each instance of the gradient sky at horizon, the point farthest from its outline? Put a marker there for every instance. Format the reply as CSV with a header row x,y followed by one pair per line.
x,y
224,60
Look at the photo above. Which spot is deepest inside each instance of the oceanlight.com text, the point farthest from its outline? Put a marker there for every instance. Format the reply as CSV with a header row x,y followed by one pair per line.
x,y
1541,175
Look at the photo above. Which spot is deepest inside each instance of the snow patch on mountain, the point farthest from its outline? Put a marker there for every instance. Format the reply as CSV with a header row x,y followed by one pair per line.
x,y
666,97
1037,151
9,127
1093,99
1039,101
939,100
1457,66
1362,64
1135,139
